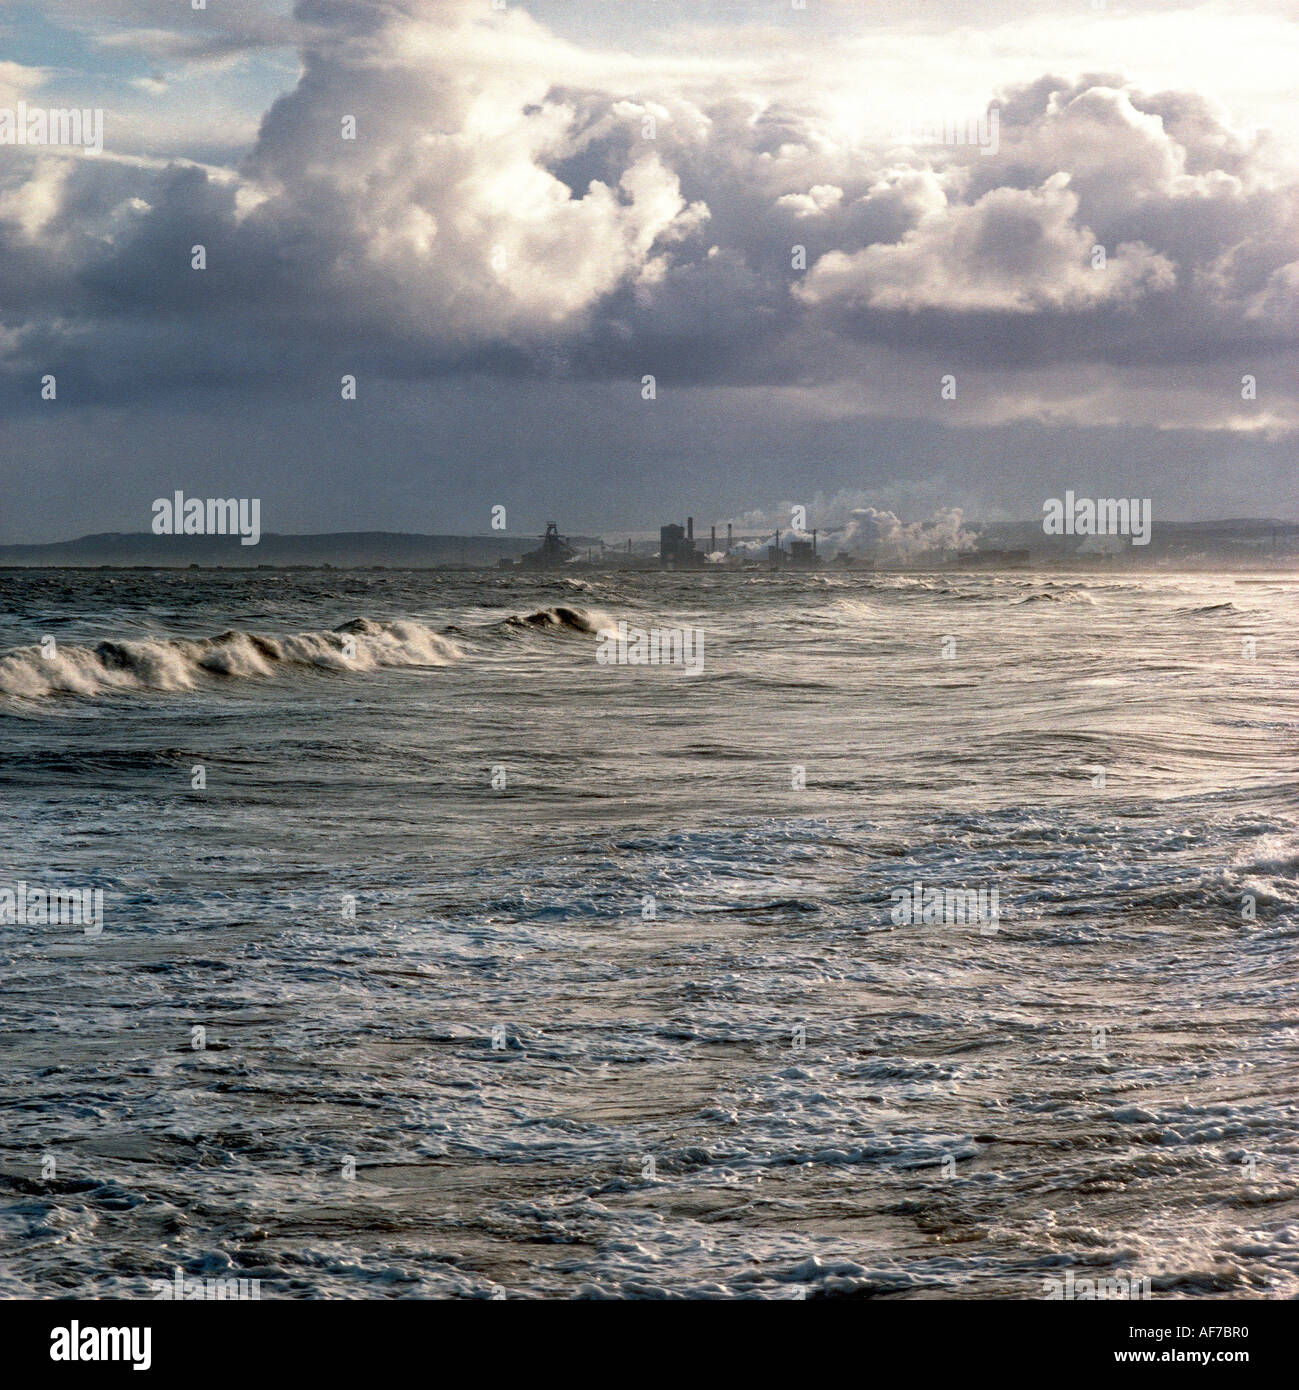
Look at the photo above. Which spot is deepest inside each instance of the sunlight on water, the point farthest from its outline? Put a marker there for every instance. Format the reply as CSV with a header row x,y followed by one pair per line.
x,y
522,969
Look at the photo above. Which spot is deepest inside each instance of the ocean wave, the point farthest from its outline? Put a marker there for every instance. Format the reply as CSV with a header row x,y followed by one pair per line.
x,y
560,618
1063,596
1270,868
173,664
851,608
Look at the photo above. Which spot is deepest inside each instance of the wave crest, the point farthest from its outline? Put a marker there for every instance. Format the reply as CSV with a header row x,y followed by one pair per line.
x,y
561,618
181,663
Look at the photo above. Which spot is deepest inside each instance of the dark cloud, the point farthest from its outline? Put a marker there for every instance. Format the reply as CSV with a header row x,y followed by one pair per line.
x,y
506,212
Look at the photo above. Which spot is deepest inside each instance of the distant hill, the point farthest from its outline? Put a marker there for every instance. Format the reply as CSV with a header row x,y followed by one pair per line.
x,y
1244,538
1195,542
343,550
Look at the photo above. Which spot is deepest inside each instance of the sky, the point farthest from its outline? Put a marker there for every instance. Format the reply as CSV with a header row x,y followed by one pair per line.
x,y
613,262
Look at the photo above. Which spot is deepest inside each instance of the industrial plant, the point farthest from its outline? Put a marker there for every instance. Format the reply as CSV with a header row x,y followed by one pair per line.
x,y
678,550
998,546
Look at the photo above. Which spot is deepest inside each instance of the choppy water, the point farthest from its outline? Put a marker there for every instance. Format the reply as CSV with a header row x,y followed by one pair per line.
x,y
954,1124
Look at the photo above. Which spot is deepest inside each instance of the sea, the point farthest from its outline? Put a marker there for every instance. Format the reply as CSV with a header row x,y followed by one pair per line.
x,y
930,935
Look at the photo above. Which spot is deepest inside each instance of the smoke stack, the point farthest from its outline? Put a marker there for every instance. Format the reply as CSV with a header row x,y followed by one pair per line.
x,y
690,528
813,540
728,537
712,544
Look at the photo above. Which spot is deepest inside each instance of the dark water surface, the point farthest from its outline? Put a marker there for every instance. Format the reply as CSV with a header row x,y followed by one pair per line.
x,y
431,818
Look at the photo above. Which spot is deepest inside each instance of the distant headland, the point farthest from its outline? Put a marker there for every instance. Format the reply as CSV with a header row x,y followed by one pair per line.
x,y
1240,543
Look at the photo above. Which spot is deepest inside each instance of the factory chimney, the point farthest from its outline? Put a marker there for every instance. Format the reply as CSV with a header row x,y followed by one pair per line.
x,y
690,528
813,540
712,544
728,537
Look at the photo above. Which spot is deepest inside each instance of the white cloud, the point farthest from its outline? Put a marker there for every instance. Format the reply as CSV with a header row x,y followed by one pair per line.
x,y
18,82
1014,250
503,201
821,197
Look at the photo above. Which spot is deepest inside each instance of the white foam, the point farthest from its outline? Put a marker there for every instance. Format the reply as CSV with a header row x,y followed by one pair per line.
x,y
178,663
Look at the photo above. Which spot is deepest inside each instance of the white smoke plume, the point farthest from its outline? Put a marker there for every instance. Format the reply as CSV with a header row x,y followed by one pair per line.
x,y
845,525
881,535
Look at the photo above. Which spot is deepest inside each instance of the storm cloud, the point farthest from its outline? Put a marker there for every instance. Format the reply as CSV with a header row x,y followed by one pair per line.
x,y
449,194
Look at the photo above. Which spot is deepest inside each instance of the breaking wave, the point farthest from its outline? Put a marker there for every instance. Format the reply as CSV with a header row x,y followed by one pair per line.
x,y
560,619
179,663
1065,596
